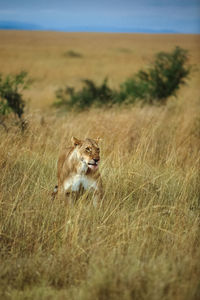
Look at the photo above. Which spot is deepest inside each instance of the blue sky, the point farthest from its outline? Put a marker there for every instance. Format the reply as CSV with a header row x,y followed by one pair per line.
x,y
104,15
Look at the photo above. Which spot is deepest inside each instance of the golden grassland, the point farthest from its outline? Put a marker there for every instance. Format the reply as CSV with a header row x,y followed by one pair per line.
x,y
143,242
116,56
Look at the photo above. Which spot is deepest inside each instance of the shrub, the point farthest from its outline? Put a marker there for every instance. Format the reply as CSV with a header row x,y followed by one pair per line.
x,y
159,81
73,54
11,99
90,95
154,85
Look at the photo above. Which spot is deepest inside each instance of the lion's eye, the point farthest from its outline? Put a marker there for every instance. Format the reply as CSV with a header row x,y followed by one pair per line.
x,y
88,149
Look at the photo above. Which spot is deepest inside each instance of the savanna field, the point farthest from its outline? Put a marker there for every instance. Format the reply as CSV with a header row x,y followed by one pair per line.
x,y
143,242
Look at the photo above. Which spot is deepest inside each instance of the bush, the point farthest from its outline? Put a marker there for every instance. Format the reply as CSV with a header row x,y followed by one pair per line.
x,y
90,95
11,99
159,81
73,54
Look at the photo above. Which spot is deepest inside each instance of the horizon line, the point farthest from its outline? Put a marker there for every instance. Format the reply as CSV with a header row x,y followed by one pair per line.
x,y
98,31
16,25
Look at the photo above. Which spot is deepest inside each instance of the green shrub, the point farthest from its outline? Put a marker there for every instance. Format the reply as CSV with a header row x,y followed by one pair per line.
x,y
73,54
154,85
161,80
11,98
90,95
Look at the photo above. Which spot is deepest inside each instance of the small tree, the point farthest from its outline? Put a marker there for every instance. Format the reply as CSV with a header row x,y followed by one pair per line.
x,y
90,95
159,81
11,99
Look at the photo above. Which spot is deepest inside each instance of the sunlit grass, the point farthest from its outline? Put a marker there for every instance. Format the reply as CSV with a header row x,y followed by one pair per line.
x,y
143,242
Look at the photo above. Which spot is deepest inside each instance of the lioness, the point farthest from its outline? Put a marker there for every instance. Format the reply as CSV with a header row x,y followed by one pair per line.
x,y
78,169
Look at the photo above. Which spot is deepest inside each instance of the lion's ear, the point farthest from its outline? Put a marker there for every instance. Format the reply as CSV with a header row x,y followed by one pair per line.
x,y
97,140
76,142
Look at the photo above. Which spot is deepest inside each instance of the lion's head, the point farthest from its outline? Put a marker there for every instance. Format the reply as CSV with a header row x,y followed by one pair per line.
x,y
88,152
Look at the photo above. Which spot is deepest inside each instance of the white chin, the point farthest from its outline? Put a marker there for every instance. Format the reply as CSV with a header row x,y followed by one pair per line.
x,y
93,167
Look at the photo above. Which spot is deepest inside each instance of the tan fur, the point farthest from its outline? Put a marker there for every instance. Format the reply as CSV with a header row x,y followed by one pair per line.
x,y
78,169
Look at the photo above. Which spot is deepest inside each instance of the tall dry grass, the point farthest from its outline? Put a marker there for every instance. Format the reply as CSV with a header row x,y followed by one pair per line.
x,y
143,242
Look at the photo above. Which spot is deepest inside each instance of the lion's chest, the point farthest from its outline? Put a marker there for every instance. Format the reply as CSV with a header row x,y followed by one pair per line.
x,y
76,182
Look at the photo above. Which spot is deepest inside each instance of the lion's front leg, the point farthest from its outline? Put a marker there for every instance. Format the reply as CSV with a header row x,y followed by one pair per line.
x,y
98,196
96,200
69,199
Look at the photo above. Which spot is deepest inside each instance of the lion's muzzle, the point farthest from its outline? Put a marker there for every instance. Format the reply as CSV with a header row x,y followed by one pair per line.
x,y
93,163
